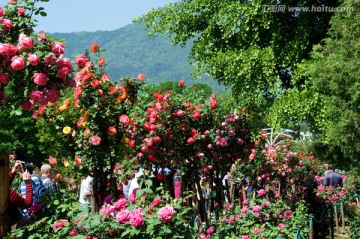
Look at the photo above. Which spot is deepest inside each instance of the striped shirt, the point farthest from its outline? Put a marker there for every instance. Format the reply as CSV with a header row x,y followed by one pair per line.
x,y
34,178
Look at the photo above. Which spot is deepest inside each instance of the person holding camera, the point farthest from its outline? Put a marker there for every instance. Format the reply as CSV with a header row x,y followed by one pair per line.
x,y
16,200
29,167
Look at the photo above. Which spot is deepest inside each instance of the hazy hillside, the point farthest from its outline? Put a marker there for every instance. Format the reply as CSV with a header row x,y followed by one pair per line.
x,y
129,51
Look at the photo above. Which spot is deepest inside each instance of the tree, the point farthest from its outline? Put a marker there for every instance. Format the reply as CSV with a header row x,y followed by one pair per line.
x,y
330,97
241,45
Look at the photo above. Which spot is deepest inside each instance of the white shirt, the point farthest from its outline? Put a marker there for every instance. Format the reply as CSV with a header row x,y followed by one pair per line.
x,y
86,187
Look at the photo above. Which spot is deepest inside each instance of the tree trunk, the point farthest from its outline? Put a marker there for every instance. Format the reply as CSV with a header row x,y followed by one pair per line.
x,y
4,195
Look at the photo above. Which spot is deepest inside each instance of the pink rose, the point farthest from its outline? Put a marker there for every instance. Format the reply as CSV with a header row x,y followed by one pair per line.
x,y
282,226
64,72
7,49
17,63
51,59
95,83
52,95
35,95
245,203
107,210
190,140
210,230
40,79
196,115
140,77
21,11
123,216
25,42
256,209
136,218
95,140
166,213
124,119
261,193
33,59
60,223
180,113
1,12
52,160
7,24
120,204
245,237
4,79
58,48
156,202
244,210
78,161
202,236
80,60
41,36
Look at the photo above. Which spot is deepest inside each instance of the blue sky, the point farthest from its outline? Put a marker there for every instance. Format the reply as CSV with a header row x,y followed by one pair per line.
x,y
91,15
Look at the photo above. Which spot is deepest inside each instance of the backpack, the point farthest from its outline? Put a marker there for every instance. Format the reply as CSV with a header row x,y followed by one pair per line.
x,y
40,191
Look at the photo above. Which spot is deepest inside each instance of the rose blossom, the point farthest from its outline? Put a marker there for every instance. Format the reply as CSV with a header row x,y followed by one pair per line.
x,y
256,209
261,193
27,105
191,140
78,161
7,24
7,49
136,218
80,60
210,230
60,223
120,204
245,237
156,202
58,48
4,79
181,83
123,216
140,76
21,11
95,140
282,226
17,63
124,119
40,79
166,213
108,210
52,160
25,42
111,131
33,59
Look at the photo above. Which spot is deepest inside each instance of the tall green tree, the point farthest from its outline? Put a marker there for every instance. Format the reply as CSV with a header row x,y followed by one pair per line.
x,y
243,45
329,100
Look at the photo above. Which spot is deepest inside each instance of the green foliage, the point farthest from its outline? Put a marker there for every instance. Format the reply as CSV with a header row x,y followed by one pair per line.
x,y
242,46
328,101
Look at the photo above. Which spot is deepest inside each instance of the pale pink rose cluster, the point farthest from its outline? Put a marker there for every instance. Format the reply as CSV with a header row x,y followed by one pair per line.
x,y
60,223
108,210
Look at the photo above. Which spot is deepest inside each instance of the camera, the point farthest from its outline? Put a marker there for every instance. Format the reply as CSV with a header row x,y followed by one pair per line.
x,y
23,167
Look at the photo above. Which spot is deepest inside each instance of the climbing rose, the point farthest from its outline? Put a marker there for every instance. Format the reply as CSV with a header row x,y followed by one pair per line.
x,y
40,79
140,76
17,63
123,216
52,160
33,59
181,83
95,140
58,48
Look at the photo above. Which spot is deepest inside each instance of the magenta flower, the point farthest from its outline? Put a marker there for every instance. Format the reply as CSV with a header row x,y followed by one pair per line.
x,y
58,48
136,218
166,213
282,226
156,202
40,79
120,204
17,63
108,210
123,216
261,193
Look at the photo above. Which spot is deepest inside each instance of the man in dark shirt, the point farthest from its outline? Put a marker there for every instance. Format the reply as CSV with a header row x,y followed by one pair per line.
x,y
332,178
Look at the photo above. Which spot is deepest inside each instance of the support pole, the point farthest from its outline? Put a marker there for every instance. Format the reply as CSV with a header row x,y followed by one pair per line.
x,y
336,220
311,227
342,214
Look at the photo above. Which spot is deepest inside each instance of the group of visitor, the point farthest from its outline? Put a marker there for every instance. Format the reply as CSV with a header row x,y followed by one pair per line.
x,y
32,188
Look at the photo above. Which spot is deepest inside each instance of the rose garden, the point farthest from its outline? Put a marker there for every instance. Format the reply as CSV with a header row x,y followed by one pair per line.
x,y
110,129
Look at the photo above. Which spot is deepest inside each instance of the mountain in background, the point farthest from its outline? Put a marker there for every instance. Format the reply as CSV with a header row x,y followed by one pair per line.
x,y
129,52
